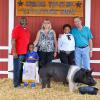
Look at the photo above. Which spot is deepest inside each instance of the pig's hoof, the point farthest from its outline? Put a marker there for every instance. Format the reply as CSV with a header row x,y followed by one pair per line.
x,y
43,87
48,87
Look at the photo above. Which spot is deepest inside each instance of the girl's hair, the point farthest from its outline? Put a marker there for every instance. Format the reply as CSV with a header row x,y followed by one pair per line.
x,y
29,45
50,26
66,25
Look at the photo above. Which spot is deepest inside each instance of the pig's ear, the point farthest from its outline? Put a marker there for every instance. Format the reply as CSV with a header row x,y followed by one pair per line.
x,y
91,71
88,72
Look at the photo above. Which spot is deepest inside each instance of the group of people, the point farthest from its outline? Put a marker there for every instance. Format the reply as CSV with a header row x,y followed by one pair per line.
x,y
74,46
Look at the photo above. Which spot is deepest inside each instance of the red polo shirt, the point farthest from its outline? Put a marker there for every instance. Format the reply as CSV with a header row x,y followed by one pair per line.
x,y
22,38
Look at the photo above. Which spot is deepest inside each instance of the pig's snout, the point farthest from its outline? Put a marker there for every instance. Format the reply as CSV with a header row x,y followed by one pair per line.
x,y
93,83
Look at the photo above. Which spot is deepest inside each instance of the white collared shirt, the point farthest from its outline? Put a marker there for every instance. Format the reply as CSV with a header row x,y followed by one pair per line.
x,y
65,44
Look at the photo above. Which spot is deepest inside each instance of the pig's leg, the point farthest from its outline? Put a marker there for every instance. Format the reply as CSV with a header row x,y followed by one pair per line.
x,y
48,83
76,86
71,86
44,82
65,82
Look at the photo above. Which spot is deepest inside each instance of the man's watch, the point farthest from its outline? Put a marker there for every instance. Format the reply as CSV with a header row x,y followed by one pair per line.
x,y
90,50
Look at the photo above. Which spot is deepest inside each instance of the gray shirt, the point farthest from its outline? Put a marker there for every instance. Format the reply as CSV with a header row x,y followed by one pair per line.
x,y
46,43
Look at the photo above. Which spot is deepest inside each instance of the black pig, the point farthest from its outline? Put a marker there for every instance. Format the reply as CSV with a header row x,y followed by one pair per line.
x,y
65,73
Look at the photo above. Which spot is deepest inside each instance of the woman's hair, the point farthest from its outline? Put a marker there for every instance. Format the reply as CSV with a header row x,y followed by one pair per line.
x,y
66,25
42,27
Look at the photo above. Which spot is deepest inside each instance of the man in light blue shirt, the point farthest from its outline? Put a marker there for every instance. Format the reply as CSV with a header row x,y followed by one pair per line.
x,y
83,42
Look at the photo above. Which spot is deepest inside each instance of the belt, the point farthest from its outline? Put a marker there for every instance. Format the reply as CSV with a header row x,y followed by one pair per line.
x,y
67,52
83,47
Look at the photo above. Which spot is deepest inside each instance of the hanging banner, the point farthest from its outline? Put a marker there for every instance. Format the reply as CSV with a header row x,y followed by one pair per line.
x,y
49,8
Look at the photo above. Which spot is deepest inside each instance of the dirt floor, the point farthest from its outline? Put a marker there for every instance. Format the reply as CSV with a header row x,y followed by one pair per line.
x,y
57,92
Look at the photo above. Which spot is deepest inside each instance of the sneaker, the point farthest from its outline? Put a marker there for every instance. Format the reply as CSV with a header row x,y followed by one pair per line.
x,y
33,85
25,84
18,86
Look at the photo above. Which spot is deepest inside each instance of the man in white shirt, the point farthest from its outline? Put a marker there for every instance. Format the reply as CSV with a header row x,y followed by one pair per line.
x,y
66,46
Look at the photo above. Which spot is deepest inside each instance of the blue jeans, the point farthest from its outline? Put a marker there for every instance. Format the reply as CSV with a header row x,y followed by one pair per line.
x,y
18,66
82,57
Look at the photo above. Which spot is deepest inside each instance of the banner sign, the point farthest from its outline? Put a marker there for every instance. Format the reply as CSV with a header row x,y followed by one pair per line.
x,y
49,8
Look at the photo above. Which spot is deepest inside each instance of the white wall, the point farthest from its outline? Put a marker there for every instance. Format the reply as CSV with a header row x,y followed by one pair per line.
x,y
87,13
11,25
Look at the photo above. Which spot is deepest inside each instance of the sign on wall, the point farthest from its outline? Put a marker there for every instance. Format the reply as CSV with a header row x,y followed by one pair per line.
x,y
49,8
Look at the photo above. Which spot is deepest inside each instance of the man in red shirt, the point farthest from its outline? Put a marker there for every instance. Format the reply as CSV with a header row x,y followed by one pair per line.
x,y
20,41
